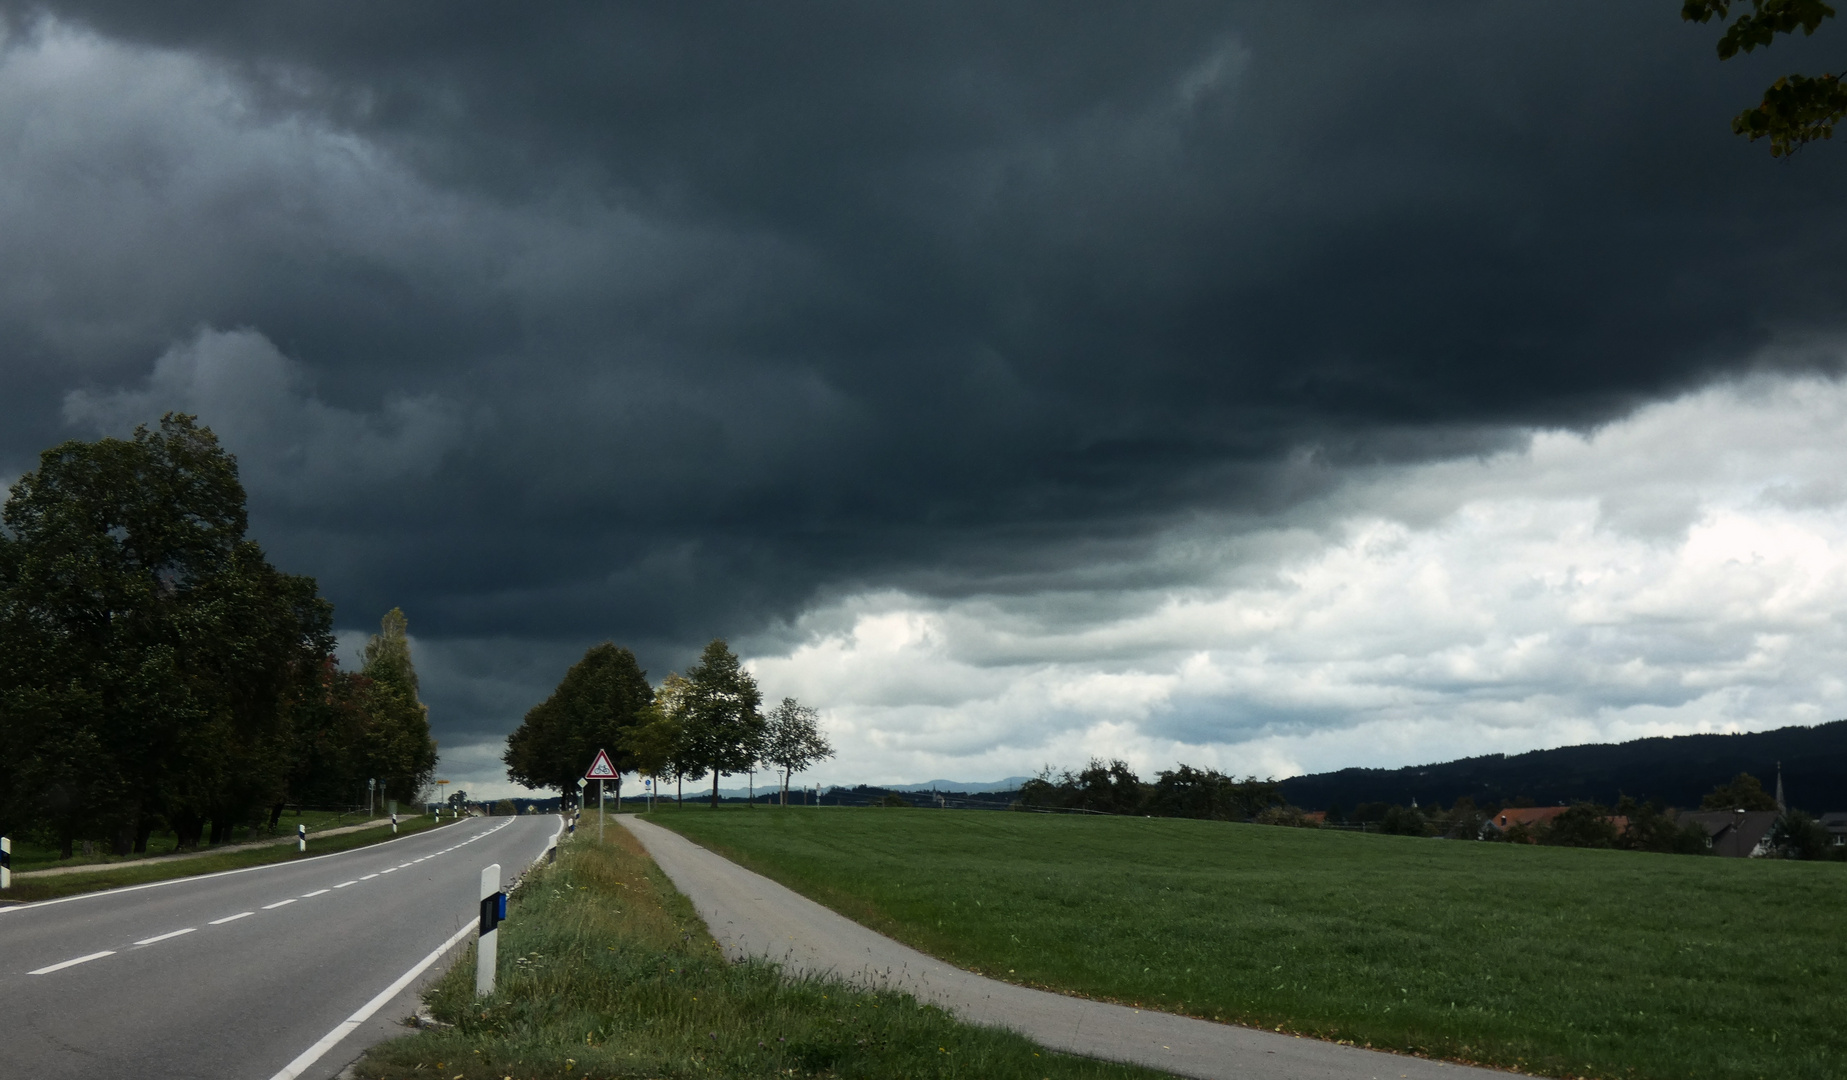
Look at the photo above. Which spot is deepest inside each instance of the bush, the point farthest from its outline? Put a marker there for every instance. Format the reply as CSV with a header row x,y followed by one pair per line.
x,y
1403,821
1584,825
1286,815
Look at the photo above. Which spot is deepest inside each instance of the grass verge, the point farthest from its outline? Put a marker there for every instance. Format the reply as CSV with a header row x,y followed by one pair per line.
x,y
30,856
114,877
1554,961
606,971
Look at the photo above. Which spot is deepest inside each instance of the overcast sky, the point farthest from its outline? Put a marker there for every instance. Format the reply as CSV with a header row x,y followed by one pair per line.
x,y
1276,387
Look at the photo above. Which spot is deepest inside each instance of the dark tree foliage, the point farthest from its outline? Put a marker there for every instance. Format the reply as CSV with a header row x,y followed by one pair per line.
x,y
1181,792
152,662
1105,789
1673,770
1796,109
1653,827
722,728
1584,825
1744,792
1799,836
598,705
395,747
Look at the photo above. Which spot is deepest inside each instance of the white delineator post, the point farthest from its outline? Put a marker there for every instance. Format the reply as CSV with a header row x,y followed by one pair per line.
x,y
493,908
301,838
394,823
6,862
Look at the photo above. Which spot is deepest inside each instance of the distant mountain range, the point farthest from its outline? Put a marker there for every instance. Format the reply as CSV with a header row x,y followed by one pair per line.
x,y
1677,770
1011,783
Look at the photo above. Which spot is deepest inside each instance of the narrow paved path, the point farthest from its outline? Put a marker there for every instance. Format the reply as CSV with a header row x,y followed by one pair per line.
x,y
751,915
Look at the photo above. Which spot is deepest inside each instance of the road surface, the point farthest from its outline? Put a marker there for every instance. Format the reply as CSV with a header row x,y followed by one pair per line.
x,y
751,915
250,973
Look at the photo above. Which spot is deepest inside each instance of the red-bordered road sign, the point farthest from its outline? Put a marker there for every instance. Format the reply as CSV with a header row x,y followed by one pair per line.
x,y
601,769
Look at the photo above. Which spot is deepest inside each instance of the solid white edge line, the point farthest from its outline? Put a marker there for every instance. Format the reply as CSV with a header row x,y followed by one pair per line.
x,y
165,936
73,963
217,874
231,918
345,1027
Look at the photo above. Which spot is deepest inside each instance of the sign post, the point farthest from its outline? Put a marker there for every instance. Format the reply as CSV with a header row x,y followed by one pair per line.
x,y
600,770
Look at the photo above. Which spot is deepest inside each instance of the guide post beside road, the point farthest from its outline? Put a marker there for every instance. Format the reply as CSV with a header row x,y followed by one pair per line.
x,y
493,909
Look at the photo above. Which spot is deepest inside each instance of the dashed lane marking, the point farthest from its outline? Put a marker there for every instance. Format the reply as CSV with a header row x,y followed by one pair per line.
x,y
280,903
73,963
316,892
165,936
232,918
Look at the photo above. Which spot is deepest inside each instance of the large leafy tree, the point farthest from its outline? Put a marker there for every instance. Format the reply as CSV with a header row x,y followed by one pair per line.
x,y
1796,109
600,701
792,740
723,729
396,748
150,657
1743,792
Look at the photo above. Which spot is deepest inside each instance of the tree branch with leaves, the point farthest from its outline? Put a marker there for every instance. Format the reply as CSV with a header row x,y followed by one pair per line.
x,y
1796,109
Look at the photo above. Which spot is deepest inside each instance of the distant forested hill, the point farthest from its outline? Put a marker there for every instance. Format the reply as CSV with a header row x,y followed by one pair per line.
x,y
1677,770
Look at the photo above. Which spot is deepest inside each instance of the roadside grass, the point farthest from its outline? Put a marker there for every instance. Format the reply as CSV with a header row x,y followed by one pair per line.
x,y
107,876
28,855
1554,961
606,971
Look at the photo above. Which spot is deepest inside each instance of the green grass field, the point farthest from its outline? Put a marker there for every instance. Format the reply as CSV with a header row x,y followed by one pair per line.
x,y
1554,961
111,875
605,971
30,856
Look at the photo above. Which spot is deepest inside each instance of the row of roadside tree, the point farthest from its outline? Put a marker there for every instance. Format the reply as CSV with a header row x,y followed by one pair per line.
x,y
158,674
708,721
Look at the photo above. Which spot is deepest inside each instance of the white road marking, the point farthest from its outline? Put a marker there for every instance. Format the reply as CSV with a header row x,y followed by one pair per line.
x,y
316,892
344,884
368,877
280,903
232,918
87,959
332,1039
165,936
393,869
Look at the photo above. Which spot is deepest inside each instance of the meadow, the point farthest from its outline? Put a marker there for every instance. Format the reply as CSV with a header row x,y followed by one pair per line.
x,y
606,971
1555,961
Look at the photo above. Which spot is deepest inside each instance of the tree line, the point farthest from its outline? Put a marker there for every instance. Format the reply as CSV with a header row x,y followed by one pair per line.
x,y
706,722
1113,788
157,673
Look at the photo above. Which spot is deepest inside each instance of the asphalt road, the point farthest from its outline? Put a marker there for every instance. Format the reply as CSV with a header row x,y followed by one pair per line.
x,y
240,975
750,915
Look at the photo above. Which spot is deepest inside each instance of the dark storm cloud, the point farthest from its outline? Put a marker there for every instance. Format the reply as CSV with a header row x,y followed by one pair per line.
x,y
721,306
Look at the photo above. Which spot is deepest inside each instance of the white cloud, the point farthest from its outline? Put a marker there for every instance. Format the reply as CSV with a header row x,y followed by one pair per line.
x,y
1681,570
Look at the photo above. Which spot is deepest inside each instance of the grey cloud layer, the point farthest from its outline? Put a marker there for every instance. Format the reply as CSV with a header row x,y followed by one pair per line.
x,y
656,322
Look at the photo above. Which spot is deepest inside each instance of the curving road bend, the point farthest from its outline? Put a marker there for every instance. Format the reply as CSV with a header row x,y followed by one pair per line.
x,y
751,915
258,973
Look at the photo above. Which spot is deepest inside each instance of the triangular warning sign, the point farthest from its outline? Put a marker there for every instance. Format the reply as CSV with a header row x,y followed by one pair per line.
x,y
601,769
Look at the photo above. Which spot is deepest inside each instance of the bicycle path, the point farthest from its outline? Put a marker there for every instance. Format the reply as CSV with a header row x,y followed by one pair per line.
x,y
750,915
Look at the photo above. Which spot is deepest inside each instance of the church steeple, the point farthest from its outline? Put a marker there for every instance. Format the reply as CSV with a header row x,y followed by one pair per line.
x,y
1781,807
